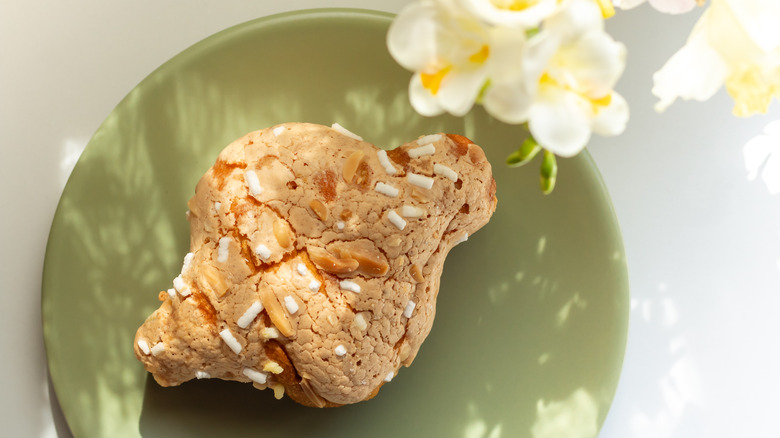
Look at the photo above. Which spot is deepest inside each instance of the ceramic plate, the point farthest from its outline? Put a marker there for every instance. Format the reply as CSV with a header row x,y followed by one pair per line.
x,y
532,315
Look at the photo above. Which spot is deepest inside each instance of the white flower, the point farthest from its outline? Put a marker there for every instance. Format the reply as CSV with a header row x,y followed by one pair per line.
x,y
736,43
762,154
516,13
448,49
562,81
667,6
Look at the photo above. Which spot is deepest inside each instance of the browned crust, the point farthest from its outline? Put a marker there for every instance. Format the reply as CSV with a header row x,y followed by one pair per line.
x,y
290,379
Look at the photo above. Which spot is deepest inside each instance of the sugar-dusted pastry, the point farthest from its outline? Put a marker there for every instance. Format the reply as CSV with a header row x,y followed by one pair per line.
x,y
315,261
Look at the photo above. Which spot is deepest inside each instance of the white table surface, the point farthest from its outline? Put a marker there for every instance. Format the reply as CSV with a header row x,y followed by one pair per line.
x,y
702,240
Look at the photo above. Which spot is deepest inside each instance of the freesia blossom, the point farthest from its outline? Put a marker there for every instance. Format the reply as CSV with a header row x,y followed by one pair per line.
x,y
762,154
736,43
563,83
667,6
515,13
448,49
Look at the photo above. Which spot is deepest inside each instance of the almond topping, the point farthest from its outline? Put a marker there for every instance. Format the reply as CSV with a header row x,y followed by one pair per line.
x,y
275,312
191,206
319,209
273,367
351,166
283,233
360,322
315,399
278,390
269,333
403,353
419,195
416,273
330,263
211,279
370,260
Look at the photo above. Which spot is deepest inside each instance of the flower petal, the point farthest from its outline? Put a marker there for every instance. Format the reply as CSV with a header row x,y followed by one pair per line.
x,y
758,18
411,39
575,19
507,52
696,71
762,154
422,100
526,18
591,65
628,4
460,89
755,153
611,120
752,89
542,47
673,6
558,121
759,148
508,102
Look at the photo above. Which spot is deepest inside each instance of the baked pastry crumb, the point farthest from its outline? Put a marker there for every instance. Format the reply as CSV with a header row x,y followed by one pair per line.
x,y
315,261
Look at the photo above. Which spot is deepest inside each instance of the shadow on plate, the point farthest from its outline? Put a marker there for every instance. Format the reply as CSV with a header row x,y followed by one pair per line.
x,y
531,322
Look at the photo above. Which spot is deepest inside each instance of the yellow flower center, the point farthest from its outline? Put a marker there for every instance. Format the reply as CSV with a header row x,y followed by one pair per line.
x,y
514,5
601,101
432,81
481,55
548,80
752,90
597,103
607,9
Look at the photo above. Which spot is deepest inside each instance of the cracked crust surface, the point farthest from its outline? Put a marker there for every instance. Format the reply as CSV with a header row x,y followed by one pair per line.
x,y
302,244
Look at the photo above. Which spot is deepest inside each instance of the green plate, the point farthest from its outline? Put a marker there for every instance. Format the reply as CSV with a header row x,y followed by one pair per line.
x,y
533,311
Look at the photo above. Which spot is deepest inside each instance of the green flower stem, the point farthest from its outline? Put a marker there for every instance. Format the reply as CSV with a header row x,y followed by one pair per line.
x,y
524,154
549,172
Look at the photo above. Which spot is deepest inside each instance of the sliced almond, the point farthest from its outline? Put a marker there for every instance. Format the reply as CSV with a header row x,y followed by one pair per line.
x,y
404,351
319,209
278,390
330,263
275,311
211,279
191,205
420,195
315,399
370,260
416,273
360,321
351,166
363,175
283,233
273,367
